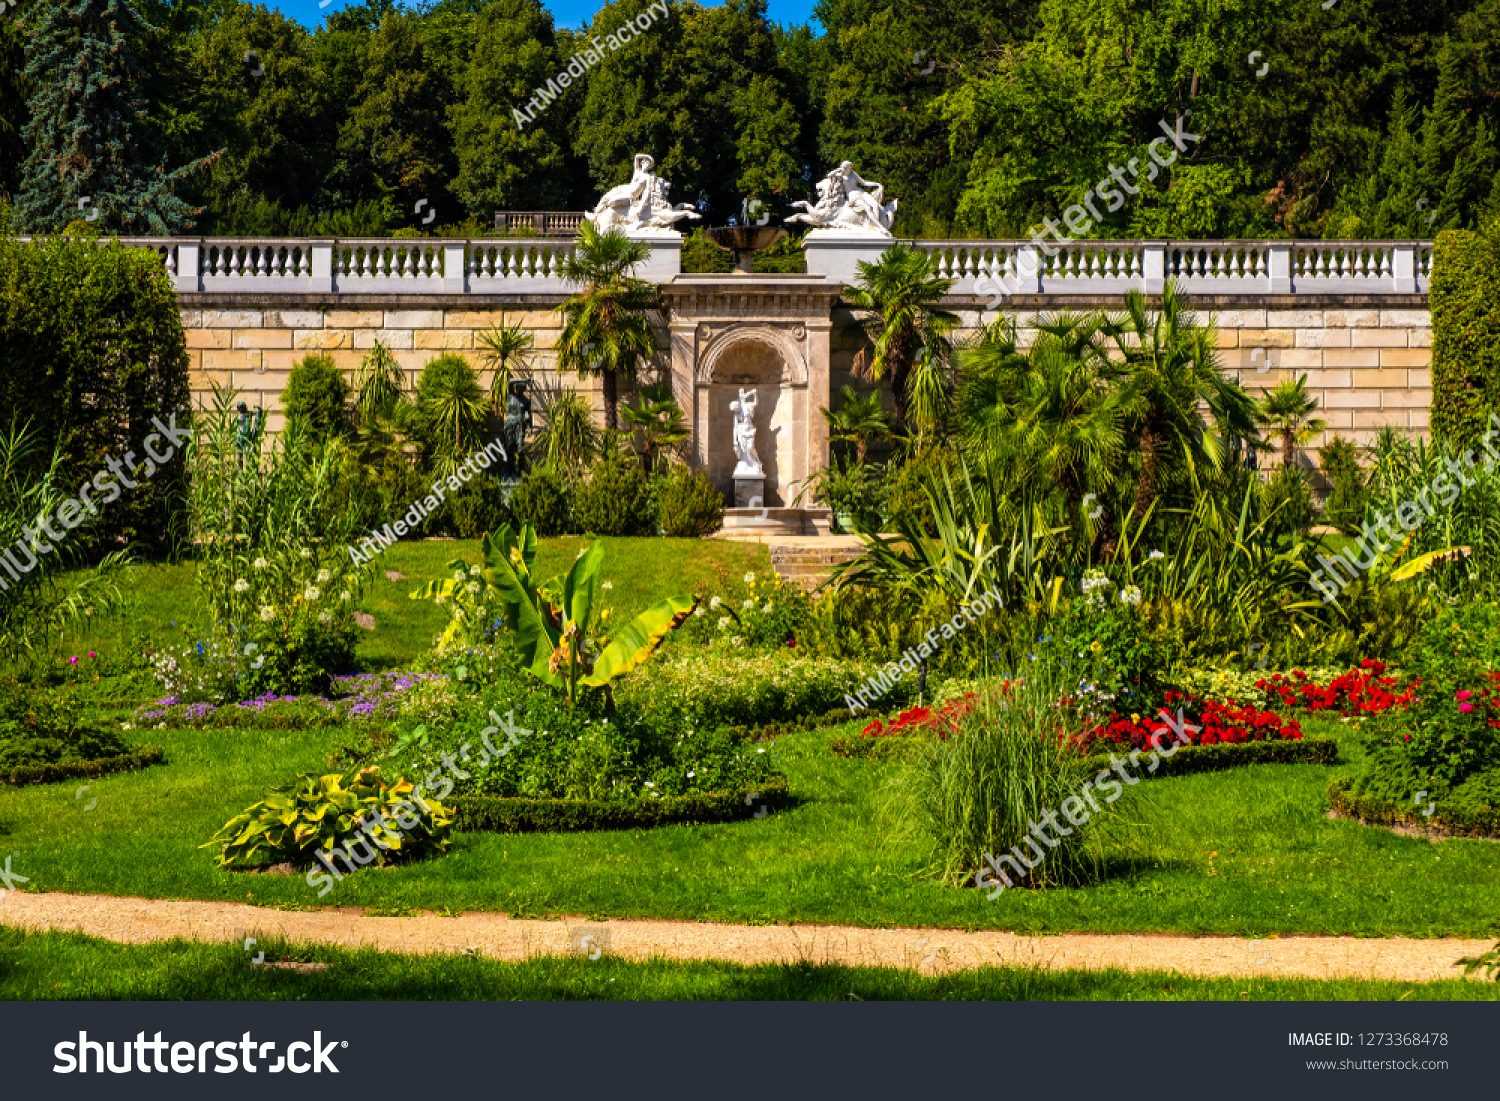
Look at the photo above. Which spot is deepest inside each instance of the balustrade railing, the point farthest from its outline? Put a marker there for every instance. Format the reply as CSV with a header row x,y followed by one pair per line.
x,y
989,268
983,269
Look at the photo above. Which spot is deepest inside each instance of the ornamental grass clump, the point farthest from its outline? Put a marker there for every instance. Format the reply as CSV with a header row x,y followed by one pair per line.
x,y
988,789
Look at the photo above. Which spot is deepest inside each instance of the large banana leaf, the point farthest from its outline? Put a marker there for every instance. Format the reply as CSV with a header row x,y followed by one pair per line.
x,y
1424,562
638,639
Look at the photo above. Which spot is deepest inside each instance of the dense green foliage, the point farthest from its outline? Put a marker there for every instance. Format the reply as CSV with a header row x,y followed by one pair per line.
x,y
91,350
1374,119
317,395
1466,333
615,500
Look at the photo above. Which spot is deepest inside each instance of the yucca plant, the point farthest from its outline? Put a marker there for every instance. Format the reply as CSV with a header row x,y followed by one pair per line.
x,y
507,351
379,383
568,439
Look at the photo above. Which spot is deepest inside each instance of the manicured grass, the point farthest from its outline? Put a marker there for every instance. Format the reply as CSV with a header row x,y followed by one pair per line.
x,y
69,966
641,572
1245,851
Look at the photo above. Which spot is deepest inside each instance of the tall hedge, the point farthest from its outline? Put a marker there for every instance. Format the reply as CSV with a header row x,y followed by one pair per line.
x,y
1465,299
91,349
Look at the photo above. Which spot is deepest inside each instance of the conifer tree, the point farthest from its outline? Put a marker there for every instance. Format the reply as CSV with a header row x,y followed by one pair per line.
x,y
89,149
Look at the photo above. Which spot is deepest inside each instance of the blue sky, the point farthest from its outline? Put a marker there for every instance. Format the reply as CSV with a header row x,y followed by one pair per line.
x,y
569,13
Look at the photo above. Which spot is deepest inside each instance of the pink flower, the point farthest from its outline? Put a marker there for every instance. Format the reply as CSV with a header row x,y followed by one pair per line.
x,y
1465,694
1466,707
91,653
72,661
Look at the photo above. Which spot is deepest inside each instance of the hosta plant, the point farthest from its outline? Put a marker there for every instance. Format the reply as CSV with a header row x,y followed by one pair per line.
x,y
316,814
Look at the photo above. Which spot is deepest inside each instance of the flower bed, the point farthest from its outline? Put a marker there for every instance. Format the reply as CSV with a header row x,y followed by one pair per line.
x,y
1363,691
941,722
365,696
1218,724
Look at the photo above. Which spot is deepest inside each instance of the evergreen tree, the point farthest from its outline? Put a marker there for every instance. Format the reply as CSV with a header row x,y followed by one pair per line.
x,y
90,149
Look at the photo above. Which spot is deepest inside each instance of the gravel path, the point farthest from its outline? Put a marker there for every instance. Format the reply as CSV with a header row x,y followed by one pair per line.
x,y
137,920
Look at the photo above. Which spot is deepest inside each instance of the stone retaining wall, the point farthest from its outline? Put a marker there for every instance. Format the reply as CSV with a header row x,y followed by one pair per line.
x,y
1368,363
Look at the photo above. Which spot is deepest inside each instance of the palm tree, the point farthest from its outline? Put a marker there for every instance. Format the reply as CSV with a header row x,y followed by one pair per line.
x,y
1287,412
379,383
659,419
1173,367
860,421
900,290
606,331
452,407
507,351
1054,415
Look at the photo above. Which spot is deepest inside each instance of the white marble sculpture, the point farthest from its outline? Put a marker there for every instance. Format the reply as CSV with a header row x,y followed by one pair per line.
x,y
744,436
640,207
849,204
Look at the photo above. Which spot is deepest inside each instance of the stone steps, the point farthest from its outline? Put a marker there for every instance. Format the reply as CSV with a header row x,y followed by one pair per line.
x,y
807,564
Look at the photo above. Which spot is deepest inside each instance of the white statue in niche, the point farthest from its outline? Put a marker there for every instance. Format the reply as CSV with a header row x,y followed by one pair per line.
x,y
849,203
744,436
640,206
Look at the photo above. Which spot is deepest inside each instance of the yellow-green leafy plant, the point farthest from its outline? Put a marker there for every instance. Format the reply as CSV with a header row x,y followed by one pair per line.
x,y
316,814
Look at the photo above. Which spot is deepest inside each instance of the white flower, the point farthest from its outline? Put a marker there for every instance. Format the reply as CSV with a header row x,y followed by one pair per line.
x,y
750,578
324,577
1131,595
715,602
241,585
472,587
607,585
698,610
747,605
267,613
440,599
1155,554
691,775
649,784
768,606
737,640
474,571
723,622
324,617
312,592
458,575
346,596
259,563
305,553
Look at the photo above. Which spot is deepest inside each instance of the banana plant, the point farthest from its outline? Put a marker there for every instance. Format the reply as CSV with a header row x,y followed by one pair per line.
x,y
548,622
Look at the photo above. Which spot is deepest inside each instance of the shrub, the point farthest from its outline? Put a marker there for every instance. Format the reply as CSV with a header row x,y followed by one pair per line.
x,y
93,350
688,505
317,814
450,407
701,256
518,738
615,500
1350,495
769,612
1458,642
317,397
1288,502
541,500
478,508
906,500
1465,299
729,687
45,728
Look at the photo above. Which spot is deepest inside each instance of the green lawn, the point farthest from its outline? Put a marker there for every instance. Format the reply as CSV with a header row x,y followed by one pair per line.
x,y
1245,851
49,966
642,572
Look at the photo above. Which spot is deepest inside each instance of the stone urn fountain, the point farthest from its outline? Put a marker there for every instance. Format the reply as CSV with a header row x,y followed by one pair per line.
x,y
745,242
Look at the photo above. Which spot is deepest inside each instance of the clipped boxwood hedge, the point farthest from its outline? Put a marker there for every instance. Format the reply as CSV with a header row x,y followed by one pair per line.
x,y
68,770
1465,298
1375,811
475,812
1187,759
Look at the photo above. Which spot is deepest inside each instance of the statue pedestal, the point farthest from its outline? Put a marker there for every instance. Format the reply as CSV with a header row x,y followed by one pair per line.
x,y
749,490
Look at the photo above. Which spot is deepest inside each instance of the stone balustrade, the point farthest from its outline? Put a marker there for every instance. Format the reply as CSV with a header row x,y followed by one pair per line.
x,y
992,270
